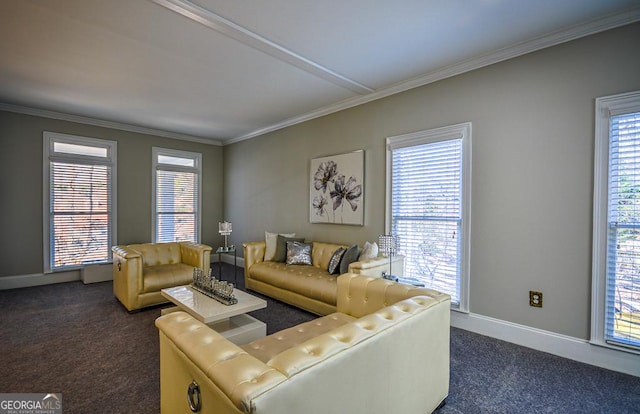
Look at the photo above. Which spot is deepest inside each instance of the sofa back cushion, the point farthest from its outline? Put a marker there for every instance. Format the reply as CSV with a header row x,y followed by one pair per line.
x,y
155,254
322,252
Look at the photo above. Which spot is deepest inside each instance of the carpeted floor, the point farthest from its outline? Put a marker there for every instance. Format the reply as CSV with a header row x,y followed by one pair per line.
x,y
78,340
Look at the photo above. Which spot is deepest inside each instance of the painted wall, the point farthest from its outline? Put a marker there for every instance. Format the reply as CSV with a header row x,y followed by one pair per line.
x,y
532,174
21,216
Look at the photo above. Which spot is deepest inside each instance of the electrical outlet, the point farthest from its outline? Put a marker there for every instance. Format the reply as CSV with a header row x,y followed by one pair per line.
x,y
535,299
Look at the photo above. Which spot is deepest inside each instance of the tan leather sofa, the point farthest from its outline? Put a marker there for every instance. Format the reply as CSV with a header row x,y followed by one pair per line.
x,y
385,351
308,287
140,271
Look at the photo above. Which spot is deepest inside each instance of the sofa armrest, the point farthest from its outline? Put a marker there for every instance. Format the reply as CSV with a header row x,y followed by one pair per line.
x,y
196,255
253,253
127,275
376,266
360,295
228,377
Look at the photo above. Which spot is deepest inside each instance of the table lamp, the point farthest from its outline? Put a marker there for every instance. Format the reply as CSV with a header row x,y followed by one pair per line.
x,y
224,228
388,246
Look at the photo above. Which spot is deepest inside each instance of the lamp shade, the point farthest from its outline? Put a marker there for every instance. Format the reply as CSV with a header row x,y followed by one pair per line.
x,y
224,228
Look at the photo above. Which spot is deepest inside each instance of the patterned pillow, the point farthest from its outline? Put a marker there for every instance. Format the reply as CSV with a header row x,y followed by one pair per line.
x,y
334,263
298,253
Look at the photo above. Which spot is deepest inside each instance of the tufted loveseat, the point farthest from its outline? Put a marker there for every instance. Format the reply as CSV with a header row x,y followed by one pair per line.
x,y
311,288
386,350
140,271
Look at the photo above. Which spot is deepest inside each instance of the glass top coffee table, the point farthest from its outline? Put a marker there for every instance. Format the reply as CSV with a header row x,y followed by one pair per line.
x,y
231,321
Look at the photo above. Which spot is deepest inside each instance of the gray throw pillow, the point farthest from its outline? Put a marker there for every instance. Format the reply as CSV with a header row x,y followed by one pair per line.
x,y
334,262
350,256
281,247
299,253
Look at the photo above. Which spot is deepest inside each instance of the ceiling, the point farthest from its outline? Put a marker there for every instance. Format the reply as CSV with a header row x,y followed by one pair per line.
x,y
221,71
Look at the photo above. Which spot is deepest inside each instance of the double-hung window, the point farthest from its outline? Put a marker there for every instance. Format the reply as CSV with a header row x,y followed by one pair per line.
x,y
615,311
79,200
176,195
428,198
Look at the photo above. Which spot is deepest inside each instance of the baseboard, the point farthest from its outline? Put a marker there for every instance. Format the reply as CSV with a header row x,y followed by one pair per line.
x,y
228,258
561,345
38,279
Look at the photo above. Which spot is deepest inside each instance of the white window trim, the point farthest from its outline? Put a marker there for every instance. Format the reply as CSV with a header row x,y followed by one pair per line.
x,y
429,136
49,138
197,157
605,108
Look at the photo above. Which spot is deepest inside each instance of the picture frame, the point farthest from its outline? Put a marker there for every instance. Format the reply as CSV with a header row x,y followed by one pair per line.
x,y
336,189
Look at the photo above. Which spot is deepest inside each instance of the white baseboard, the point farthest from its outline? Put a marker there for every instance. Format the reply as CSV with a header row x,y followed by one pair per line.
x,y
561,345
38,279
228,258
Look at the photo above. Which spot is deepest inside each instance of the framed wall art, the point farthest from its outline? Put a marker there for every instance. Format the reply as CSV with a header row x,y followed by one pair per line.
x,y
337,189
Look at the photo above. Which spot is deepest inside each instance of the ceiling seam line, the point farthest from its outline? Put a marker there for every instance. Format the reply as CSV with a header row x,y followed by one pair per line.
x,y
234,31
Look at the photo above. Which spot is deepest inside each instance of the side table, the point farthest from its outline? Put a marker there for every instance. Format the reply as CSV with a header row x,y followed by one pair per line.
x,y
230,249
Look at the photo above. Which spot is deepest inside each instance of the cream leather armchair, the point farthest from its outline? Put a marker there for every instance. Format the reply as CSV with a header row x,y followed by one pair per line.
x,y
385,351
140,271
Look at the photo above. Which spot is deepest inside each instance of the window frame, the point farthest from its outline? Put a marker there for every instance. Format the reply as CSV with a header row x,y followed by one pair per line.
x,y
459,131
605,107
50,155
197,169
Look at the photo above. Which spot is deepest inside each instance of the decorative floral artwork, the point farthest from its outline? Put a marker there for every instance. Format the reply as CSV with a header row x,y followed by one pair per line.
x,y
337,189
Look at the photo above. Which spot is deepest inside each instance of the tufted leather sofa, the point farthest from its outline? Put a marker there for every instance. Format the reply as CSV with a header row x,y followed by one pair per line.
x,y
140,271
308,287
385,350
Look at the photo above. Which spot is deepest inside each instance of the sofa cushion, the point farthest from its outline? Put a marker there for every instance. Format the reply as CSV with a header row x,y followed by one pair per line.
x,y
281,247
334,263
266,348
350,256
308,281
271,240
299,253
164,276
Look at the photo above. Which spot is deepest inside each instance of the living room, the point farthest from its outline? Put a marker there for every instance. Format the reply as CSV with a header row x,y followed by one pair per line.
x,y
532,201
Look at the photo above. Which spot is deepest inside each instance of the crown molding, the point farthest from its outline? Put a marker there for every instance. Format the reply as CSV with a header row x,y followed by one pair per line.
x,y
542,42
105,124
230,29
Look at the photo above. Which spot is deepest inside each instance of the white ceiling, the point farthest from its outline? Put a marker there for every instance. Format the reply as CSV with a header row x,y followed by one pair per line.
x,y
220,71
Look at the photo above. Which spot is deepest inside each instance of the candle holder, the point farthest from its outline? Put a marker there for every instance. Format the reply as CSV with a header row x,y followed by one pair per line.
x,y
216,289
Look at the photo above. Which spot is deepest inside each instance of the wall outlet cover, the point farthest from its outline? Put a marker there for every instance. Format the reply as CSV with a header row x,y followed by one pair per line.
x,y
535,299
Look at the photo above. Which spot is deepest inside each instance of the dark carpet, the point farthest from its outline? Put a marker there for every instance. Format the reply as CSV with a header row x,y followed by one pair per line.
x,y
78,340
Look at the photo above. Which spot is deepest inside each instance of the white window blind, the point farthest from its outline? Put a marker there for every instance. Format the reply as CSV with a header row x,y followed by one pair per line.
x,y
79,193
622,315
429,180
176,195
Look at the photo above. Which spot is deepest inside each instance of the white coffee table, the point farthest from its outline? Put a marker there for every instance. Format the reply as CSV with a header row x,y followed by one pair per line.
x,y
231,321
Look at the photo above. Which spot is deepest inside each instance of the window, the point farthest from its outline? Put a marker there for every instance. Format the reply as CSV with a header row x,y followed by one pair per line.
x,y
79,200
428,196
615,318
176,195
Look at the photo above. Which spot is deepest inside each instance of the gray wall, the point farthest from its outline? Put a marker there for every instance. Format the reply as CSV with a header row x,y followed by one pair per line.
x,y
533,147
21,215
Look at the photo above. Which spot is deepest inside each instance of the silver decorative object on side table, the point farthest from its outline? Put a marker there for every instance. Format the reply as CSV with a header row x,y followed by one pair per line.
x,y
217,289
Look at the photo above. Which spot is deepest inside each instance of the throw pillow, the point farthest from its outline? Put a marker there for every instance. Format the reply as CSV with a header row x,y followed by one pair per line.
x,y
298,253
350,256
334,262
369,251
281,247
271,240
